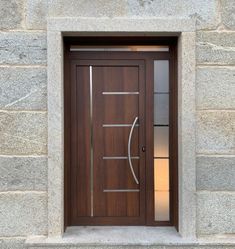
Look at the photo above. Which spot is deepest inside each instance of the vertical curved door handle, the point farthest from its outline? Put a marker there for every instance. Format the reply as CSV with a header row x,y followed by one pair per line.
x,y
129,150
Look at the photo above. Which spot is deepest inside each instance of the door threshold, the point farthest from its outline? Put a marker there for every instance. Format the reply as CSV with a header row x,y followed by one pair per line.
x,y
114,236
123,235
99,236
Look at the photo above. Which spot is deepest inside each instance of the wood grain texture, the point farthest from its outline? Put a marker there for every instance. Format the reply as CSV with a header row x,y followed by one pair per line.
x,y
112,141
114,72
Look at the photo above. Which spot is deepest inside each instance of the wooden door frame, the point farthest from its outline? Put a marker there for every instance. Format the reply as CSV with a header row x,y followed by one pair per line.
x,y
172,56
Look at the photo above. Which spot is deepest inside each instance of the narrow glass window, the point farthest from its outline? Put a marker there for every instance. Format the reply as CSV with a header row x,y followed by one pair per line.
x,y
161,140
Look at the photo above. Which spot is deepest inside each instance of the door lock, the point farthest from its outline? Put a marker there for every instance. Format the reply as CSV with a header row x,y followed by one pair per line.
x,y
143,148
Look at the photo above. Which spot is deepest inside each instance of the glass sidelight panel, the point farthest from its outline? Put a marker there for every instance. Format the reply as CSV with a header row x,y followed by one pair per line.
x,y
161,141
161,109
161,174
161,76
162,206
161,189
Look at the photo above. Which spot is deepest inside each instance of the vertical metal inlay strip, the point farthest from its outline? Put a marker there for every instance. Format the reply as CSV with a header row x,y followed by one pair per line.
x,y
91,131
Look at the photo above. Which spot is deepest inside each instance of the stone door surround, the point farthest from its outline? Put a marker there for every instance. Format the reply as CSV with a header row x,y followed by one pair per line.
x,y
185,30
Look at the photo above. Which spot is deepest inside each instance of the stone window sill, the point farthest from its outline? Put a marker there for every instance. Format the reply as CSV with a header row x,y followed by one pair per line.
x,y
120,236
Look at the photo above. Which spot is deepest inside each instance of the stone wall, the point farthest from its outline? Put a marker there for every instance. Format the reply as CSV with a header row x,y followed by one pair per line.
x,y
23,106
23,121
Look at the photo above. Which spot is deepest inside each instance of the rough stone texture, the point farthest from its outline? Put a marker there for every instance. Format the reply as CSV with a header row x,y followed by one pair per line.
x,y
23,213
228,13
215,173
22,48
216,132
55,135
215,48
80,8
12,243
133,24
215,88
23,173
215,213
132,247
11,14
205,11
187,176
23,133
23,88
36,14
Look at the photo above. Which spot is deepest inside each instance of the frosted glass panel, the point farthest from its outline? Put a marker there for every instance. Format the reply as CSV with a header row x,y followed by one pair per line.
x,y
162,206
161,142
161,174
161,109
161,76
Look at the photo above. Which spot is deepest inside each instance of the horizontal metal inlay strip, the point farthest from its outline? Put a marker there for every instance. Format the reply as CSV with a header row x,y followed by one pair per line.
x,y
118,125
119,93
121,190
119,157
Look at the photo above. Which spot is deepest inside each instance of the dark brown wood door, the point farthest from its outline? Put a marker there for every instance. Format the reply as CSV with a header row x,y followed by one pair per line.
x,y
107,171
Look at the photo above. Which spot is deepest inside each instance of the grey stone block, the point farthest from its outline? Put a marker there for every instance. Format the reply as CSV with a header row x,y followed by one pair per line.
x,y
79,8
36,14
215,132
215,173
215,48
180,246
228,13
23,48
205,11
215,213
23,173
215,88
23,214
12,243
23,88
11,14
23,133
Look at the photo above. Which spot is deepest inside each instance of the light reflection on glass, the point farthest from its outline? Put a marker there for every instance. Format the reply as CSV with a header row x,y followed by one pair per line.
x,y
161,109
161,189
161,142
161,76
162,206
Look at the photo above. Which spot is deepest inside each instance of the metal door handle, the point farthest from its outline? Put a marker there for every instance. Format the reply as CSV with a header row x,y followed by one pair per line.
x,y
129,150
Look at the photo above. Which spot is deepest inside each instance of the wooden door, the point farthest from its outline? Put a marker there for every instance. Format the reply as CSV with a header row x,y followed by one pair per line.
x,y
107,139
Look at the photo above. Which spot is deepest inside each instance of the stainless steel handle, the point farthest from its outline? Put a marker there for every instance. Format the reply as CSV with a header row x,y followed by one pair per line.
x,y
129,150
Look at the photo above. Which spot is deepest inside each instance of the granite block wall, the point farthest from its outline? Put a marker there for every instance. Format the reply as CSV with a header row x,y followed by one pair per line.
x,y
23,106
23,122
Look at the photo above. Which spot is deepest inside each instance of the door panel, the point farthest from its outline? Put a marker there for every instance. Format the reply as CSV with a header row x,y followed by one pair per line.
x,y
118,174
117,78
105,100
116,141
116,208
116,193
118,109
